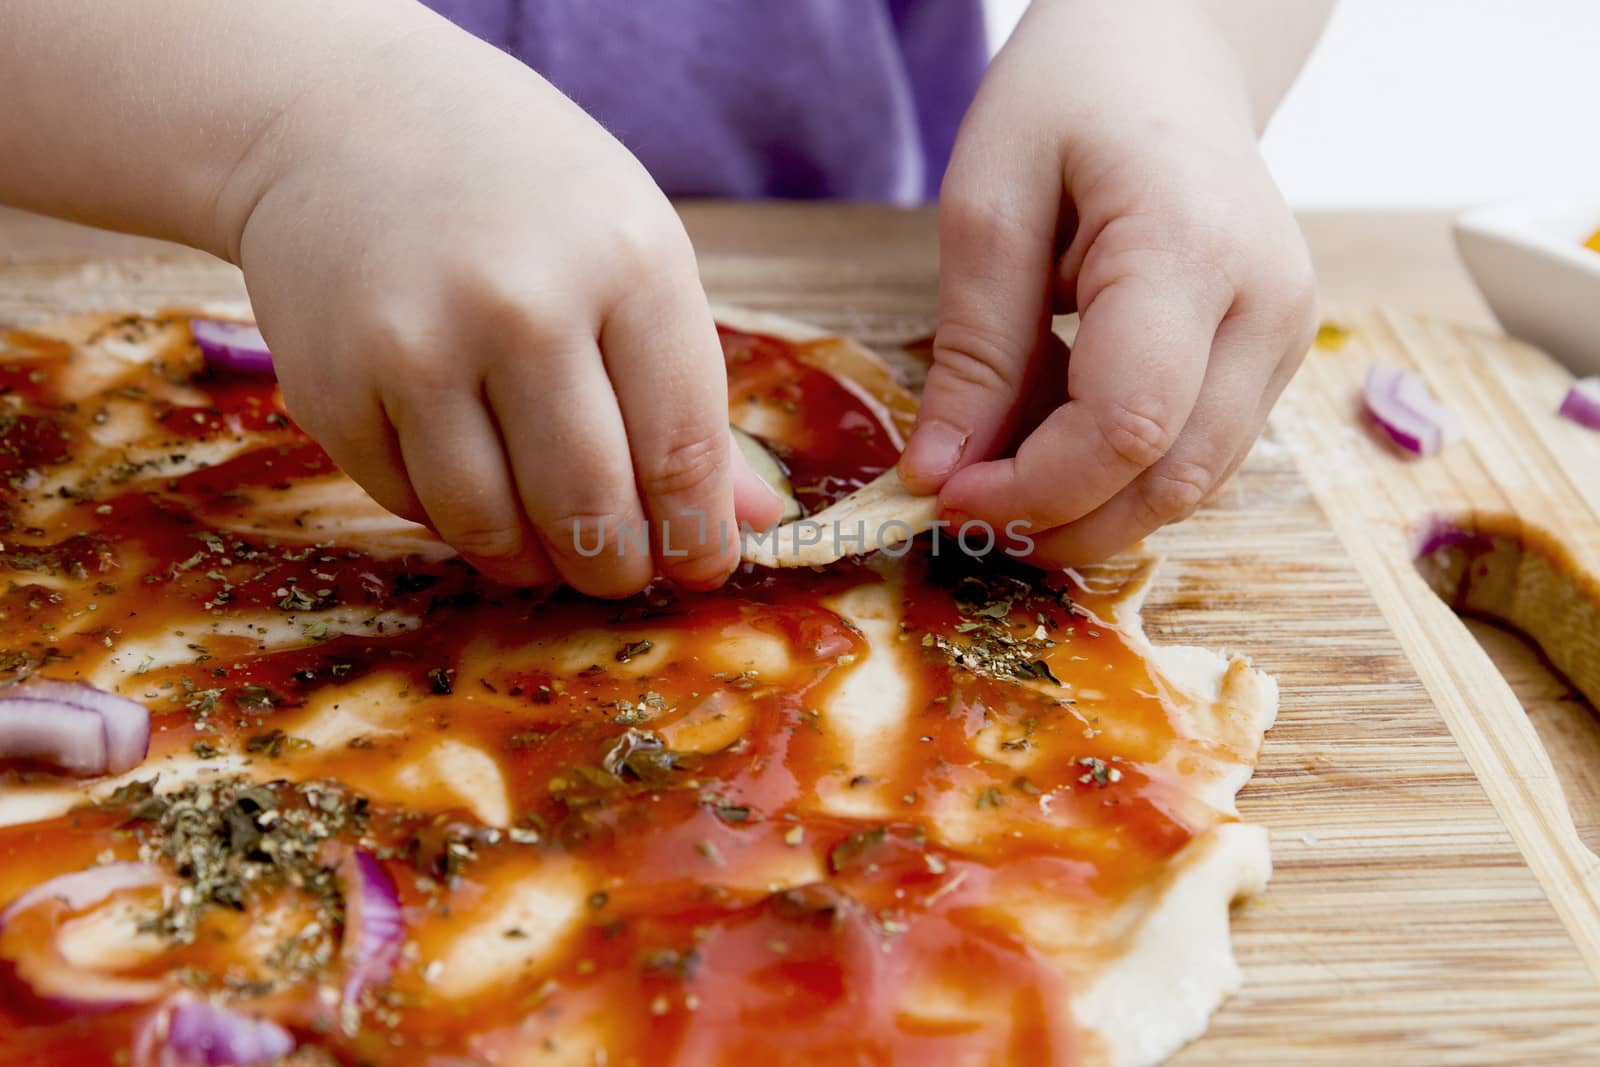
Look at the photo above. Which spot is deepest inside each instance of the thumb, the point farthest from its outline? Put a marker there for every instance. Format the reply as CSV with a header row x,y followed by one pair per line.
x,y
997,230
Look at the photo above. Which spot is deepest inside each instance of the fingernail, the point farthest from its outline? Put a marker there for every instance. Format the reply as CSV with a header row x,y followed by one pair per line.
x,y
933,451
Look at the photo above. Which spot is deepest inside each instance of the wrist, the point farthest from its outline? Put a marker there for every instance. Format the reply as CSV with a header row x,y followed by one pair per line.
x,y
1126,64
336,116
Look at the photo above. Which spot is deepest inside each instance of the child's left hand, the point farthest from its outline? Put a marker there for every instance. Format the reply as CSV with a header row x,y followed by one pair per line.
x,y
1109,166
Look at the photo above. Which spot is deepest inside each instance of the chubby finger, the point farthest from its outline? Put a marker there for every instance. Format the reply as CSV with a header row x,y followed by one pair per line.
x,y
366,447
570,463
457,466
1242,381
1043,390
379,467
1136,371
999,209
665,363
345,414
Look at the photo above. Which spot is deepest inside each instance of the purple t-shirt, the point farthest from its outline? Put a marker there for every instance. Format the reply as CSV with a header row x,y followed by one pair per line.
x,y
848,99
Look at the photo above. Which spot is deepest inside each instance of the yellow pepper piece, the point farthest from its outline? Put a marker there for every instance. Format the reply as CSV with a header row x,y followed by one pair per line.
x,y
1331,336
1593,243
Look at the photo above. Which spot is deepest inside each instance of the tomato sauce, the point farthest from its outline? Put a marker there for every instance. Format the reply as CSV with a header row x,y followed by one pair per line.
x,y
676,788
830,439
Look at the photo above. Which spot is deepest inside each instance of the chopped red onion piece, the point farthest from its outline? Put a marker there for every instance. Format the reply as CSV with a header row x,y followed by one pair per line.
x,y
78,728
1582,403
1400,402
188,1032
38,962
127,722
237,346
65,736
1440,534
373,925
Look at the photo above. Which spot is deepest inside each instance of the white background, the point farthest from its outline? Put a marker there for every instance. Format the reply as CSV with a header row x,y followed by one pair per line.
x,y
1437,104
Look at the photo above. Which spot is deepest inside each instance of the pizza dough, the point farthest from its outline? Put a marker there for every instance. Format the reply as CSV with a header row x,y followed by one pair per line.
x,y
906,809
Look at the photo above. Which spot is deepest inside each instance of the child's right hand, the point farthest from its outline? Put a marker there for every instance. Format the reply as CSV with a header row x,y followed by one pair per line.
x,y
483,308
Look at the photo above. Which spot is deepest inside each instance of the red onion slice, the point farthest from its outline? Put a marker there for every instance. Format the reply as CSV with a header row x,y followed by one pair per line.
x,y
80,729
81,889
188,1032
1439,534
65,736
1582,403
1400,402
127,722
35,958
373,925
236,346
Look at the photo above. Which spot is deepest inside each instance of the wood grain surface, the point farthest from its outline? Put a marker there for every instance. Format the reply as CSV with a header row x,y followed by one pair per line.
x,y
1524,488
1404,924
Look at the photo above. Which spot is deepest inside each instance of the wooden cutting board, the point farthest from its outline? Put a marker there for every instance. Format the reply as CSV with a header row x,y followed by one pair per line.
x,y
1432,904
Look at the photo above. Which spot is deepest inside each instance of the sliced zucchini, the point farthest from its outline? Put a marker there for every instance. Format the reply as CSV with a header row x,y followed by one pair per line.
x,y
771,469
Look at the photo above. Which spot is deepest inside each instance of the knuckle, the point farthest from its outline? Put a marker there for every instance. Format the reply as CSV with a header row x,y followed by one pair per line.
x,y
1170,228
677,487
1136,436
640,241
508,313
686,468
976,356
410,375
489,304
1176,491
963,211
592,534
969,219
488,540
381,330
1302,334
414,382
1298,278
1284,281
1175,237
385,333
1299,301
1200,222
1189,247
